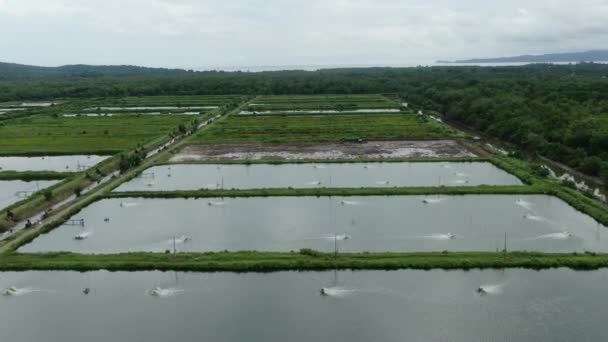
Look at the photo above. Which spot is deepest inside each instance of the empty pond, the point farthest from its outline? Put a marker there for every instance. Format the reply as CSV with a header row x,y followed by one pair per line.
x,y
390,223
50,163
517,305
16,190
351,175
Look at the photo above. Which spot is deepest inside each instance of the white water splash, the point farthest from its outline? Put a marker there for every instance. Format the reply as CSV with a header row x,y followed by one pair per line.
x,y
554,236
16,291
164,292
320,167
383,182
337,291
460,181
180,240
339,237
461,174
524,204
490,289
216,204
448,236
432,200
535,218
128,204
345,202
83,235
314,183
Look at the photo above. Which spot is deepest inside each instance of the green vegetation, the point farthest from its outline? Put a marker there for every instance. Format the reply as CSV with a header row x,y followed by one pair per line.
x,y
46,135
33,175
303,260
318,102
395,191
272,129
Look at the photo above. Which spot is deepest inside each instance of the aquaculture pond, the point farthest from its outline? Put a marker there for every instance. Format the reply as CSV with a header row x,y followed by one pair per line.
x,y
50,163
489,305
16,190
353,224
351,175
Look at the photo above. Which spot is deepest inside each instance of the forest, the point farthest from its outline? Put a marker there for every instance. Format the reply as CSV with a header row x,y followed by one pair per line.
x,y
558,111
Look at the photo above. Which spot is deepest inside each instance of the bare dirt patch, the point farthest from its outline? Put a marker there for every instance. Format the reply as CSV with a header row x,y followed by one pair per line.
x,y
366,150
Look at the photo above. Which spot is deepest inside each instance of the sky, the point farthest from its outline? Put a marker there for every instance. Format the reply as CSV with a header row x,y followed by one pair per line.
x,y
232,33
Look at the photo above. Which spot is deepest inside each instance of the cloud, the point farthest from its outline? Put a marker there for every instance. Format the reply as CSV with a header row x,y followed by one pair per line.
x,y
200,33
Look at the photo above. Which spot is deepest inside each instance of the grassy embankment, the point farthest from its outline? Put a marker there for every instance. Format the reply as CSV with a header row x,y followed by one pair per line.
x,y
302,260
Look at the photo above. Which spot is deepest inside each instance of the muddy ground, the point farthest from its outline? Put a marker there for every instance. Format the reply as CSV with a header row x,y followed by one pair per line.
x,y
369,150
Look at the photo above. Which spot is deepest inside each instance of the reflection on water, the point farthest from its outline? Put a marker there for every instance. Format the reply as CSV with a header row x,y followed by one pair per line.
x,y
373,223
490,305
191,177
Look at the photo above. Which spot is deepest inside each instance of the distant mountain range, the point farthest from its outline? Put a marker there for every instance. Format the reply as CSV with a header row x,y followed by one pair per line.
x,y
588,56
12,70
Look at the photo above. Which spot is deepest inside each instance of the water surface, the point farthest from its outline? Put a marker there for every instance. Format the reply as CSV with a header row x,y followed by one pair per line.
x,y
50,163
15,190
520,305
347,175
389,223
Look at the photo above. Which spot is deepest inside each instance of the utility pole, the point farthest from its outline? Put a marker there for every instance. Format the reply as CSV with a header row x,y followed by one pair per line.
x,y
505,249
335,245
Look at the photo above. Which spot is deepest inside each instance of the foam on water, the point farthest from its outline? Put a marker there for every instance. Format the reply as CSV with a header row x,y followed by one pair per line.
x,y
128,204
314,183
383,182
164,292
320,167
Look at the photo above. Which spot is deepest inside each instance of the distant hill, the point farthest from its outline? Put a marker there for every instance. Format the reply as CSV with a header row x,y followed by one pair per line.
x,y
588,56
15,71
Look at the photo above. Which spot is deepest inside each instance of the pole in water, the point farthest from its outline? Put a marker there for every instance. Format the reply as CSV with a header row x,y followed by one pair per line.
x,y
335,245
174,249
505,250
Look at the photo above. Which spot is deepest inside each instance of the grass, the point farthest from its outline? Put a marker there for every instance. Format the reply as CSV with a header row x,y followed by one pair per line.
x,y
48,135
33,175
396,191
304,260
190,100
273,129
345,102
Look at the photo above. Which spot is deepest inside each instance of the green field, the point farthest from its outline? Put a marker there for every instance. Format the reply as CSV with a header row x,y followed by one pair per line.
x,y
327,128
47,135
178,101
312,102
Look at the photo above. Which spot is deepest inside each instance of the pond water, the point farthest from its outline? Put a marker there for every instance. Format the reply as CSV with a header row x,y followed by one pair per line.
x,y
519,305
354,224
352,175
50,163
15,190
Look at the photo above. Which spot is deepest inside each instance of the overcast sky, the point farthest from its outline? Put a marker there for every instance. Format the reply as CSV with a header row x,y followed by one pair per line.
x,y
201,33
